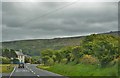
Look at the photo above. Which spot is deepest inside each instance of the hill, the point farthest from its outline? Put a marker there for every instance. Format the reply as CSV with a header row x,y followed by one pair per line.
x,y
35,46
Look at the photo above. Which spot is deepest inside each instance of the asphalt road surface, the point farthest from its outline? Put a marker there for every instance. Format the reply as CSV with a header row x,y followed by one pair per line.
x,y
30,71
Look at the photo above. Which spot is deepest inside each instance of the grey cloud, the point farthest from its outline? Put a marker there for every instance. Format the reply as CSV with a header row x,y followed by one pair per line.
x,y
41,20
0,23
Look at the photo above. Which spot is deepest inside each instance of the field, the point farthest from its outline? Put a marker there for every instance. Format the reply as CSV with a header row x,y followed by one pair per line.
x,y
81,70
6,68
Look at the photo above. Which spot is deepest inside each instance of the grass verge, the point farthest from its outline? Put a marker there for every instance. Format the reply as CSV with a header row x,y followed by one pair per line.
x,y
81,70
6,68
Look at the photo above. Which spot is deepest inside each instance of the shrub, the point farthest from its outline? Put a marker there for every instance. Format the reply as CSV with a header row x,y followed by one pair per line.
x,y
88,59
16,61
64,61
45,60
50,61
5,60
115,61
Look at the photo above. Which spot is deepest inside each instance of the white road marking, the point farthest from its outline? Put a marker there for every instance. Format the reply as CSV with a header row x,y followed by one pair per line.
x,y
38,75
22,70
12,72
32,71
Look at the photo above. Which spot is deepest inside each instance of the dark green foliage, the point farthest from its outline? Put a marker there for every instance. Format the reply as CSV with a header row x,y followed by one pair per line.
x,y
48,57
34,47
27,60
16,61
45,60
5,60
104,47
58,56
47,52
100,47
50,62
34,59
77,53
10,53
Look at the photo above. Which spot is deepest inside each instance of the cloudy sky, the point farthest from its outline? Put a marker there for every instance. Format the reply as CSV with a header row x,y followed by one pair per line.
x,y
41,20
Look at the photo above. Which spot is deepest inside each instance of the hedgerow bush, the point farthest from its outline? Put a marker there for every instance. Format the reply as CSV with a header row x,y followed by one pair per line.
x,y
88,59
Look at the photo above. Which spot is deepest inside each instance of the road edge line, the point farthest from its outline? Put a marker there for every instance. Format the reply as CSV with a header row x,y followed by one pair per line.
x,y
12,72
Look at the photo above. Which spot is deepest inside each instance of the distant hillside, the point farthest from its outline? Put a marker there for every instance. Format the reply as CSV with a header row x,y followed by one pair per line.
x,y
34,47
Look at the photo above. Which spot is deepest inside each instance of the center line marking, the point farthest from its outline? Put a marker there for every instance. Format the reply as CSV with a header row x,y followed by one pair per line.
x,y
38,75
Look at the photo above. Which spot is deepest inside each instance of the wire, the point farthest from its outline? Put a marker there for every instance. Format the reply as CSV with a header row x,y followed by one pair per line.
x,y
49,13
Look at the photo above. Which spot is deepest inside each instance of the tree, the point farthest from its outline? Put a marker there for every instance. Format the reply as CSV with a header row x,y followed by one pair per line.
x,y
46,55
27,59
54,58
50,61
5,53
58,56
10,53
104,47
106,52
16,61
67,53
45,60
47,52
5,60
77,53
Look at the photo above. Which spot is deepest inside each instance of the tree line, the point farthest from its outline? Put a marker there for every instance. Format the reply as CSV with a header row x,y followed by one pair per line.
x,y
100,49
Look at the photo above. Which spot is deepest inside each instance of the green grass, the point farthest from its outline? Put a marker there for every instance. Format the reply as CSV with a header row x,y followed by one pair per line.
x,y
6,68
81,70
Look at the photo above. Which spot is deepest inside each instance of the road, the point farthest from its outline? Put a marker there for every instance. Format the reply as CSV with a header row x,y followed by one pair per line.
x,y
30,71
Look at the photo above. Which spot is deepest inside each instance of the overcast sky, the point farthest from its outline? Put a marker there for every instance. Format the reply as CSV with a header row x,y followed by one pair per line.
x,y
41,20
